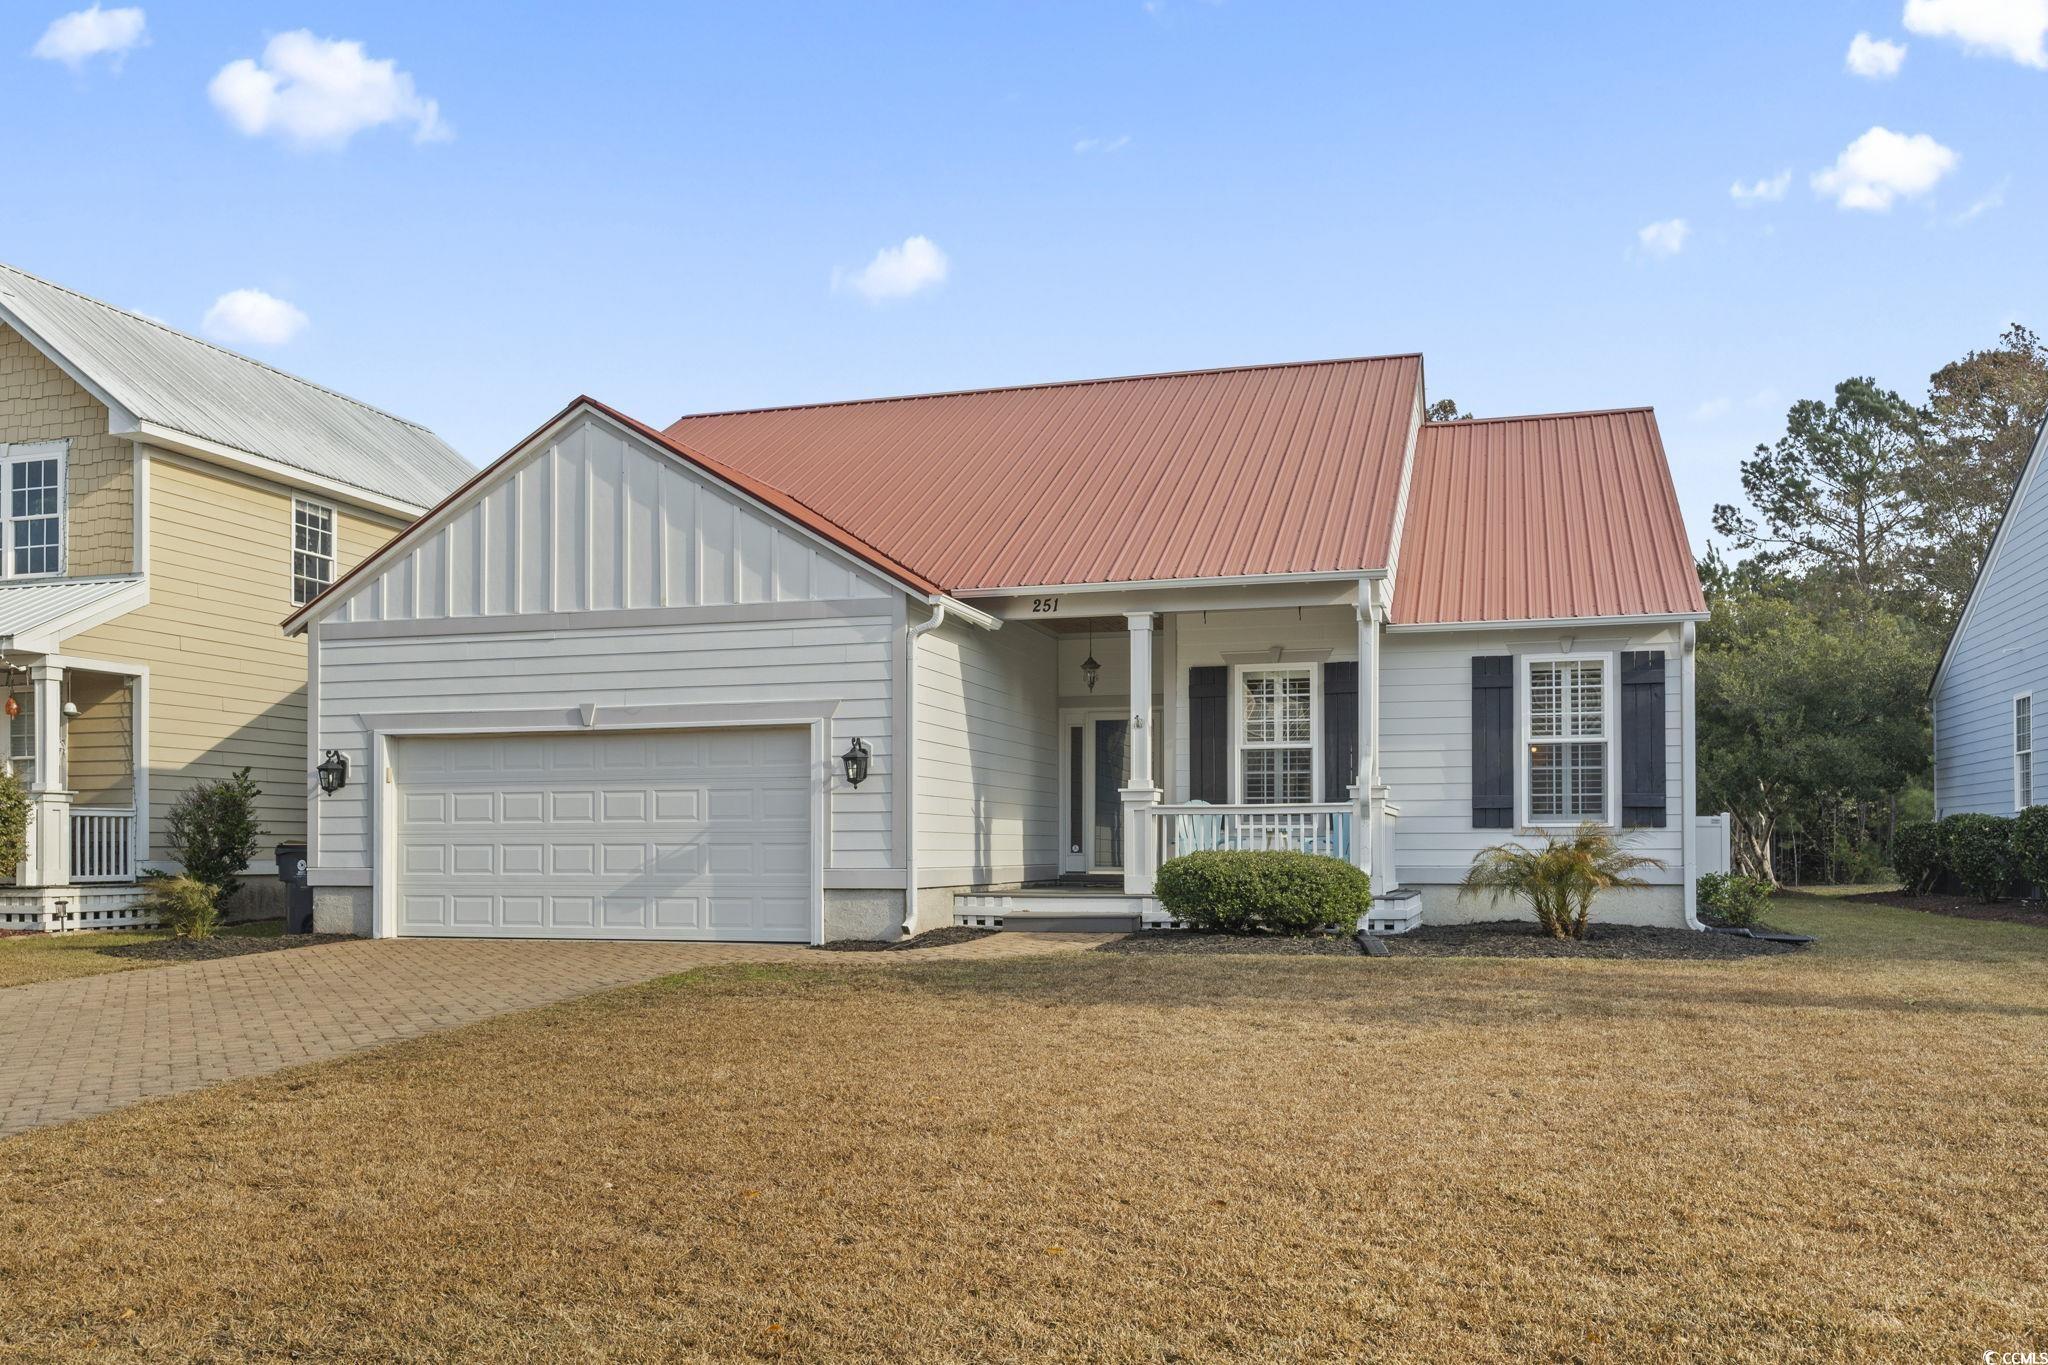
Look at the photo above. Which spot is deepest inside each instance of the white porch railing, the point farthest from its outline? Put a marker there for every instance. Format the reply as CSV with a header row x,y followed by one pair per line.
x,y
102,844
1198,828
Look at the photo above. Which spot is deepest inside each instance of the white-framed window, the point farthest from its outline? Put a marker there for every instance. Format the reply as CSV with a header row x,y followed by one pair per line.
x,y
21,736
312,549
1568,749
1277,728
2022,751
32,509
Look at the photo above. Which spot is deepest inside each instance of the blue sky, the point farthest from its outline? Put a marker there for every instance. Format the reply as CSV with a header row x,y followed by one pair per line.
x,y
671,207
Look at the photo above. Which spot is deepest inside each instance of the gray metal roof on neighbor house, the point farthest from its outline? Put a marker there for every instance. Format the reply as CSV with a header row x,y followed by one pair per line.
x,y
165,379
30,611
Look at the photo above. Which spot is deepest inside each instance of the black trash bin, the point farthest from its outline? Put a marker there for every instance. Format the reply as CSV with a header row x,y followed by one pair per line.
x,y
298,896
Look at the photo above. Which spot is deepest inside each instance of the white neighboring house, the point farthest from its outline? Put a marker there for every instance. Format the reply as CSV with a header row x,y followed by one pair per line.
x,y
860,669
1992,681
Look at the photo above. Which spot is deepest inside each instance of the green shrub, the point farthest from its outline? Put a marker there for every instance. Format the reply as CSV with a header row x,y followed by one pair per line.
x,y
2030,847
188,907
13,824
1731,898
213,831
1978,850
1274,892
1916,856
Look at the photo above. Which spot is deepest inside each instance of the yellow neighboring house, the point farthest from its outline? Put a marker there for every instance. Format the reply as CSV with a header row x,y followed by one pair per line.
x,y
163,504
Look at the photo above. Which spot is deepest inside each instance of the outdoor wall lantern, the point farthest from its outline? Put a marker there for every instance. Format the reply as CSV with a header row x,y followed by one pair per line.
x,y
333,771
1090,668
856,760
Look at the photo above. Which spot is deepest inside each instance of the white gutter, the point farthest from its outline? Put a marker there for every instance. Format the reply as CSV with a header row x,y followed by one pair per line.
x,y
908,748
1689,799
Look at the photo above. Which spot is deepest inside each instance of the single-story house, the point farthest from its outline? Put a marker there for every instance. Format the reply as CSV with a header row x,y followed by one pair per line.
x,y
1995,664
868,668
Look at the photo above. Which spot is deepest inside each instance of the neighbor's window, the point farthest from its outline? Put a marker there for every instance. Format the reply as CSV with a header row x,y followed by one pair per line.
x,y
21,738
1278,740
312,549
1567,730
2023,751
34,500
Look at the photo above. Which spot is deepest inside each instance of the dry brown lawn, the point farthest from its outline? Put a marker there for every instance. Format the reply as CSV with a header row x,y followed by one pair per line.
x,y
1103,1157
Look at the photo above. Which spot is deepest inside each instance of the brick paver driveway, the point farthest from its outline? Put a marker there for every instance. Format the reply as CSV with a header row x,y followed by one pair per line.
x,y
70,1049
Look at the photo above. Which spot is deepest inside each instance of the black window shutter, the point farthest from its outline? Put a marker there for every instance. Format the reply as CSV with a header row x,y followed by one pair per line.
x,y
1493,741
1340,730
1642,739
1209,734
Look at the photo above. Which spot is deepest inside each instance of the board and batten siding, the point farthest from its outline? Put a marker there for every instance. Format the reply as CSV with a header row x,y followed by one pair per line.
x,y
227,689
1426,742
597,521
596,570
987,789
2000,650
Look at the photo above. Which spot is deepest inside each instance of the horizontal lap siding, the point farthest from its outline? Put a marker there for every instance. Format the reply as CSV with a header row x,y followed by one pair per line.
x,y
846,660
1325,632
987,791
227,688
1426,743
2002,649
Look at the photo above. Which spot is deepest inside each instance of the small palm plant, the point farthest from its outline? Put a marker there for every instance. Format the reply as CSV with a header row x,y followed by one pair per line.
x,y
1560,878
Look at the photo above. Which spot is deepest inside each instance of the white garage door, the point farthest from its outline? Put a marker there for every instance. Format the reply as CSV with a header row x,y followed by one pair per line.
x,y
699,835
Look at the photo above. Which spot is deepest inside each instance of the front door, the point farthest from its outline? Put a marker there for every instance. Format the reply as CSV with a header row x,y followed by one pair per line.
x,y
1093,755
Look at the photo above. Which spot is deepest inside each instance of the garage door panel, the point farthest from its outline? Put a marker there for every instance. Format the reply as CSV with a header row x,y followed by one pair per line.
x,y
699,835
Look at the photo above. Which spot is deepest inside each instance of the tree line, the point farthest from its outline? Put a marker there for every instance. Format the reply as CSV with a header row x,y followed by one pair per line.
x,y
1860,533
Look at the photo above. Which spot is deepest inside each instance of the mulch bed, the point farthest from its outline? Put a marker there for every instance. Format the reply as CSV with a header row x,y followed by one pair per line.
x,y
219,946
1521,938
1495,938
930,938
1154,941
1961,907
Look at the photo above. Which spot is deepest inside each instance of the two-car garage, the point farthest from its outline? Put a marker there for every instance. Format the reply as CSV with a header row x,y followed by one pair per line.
x,y
629,835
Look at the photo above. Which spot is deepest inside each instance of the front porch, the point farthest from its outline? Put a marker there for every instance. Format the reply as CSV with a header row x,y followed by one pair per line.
x,y
1222,724
75,735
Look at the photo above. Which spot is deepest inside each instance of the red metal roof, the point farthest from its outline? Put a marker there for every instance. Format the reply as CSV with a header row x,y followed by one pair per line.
x,y
1543,518
1269,469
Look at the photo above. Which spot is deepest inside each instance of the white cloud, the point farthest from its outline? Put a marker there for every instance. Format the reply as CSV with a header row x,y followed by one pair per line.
x,y
1713,408
1882,166
250,317
1666,238
1761,191
88,33
1877,59
898,271
2001,28
320,92
1102,144
1994,198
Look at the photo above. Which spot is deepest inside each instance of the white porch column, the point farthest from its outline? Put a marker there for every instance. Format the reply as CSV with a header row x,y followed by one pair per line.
x,y
1140,793
1364,824
47,859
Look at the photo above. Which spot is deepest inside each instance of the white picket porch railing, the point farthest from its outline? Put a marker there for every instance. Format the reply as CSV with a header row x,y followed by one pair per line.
x,y
1198,828
102,844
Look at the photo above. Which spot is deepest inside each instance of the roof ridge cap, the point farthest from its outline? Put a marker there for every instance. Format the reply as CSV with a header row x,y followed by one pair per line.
x,y
1047,384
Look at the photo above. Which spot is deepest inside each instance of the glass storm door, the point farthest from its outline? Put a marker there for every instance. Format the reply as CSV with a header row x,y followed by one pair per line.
x,y
1112,740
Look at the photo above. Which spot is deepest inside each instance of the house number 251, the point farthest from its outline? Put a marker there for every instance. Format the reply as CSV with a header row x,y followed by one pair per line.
x,y
1042,605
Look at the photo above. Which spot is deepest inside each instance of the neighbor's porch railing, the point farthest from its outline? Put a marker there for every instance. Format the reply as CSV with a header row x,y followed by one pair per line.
x,y
1198,828
102,844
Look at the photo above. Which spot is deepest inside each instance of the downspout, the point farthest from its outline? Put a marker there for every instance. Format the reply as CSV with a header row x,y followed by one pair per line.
x,y
908,776
1688,831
